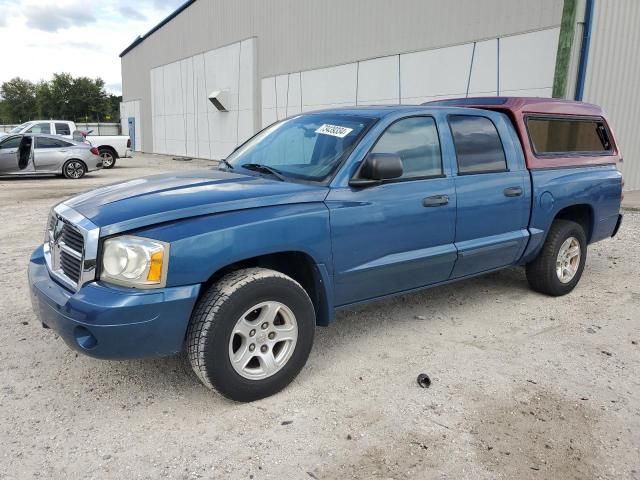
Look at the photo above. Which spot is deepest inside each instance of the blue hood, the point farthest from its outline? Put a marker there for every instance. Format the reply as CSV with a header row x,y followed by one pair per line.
x,y
162,198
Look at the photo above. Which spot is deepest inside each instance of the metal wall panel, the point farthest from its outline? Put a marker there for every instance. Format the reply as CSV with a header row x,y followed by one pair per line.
x,y
612,77
412,78
294,35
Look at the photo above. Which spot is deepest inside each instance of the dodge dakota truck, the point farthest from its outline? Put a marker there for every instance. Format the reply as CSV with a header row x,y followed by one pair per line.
x,y
237,265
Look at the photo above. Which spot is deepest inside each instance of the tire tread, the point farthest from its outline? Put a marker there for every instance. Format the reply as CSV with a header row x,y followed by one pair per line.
x,y
204,321
541,272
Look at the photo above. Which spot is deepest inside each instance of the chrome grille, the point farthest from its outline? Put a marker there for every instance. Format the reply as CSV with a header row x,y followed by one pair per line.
x,y
70,247
72,238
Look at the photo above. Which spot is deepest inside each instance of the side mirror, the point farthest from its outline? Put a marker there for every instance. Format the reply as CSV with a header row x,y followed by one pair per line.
x,y
376,168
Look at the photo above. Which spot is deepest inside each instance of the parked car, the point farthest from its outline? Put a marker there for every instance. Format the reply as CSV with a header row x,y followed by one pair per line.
x,y
320,212
111,147
36,154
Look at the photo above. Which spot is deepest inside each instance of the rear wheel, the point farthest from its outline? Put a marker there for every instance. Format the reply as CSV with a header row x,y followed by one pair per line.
x,y
251,333
108,158
74,169
559,265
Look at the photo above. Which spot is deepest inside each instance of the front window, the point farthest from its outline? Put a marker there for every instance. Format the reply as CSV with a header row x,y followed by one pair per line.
x,y
44,127
415,140
13,142
307,147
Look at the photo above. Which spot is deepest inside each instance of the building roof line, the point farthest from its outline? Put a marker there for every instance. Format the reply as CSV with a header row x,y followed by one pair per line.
x,y
142,38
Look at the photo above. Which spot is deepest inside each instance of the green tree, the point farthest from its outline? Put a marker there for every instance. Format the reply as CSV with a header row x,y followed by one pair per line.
x,y
19,97
64,97
113,102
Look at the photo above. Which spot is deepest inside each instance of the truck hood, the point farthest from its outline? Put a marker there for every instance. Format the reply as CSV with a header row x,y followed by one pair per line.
x,y
162,198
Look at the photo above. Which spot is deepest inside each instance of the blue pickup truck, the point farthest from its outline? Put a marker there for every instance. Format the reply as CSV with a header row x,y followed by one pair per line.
x,y
237,265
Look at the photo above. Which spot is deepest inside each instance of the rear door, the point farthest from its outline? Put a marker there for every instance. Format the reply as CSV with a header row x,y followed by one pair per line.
x,y
398,235
493,192
9,154
49,154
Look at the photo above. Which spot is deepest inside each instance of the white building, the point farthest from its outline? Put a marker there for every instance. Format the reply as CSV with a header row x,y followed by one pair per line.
x,y
216,71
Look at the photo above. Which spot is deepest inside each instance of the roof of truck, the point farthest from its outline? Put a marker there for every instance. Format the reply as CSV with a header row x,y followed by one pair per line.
x,y
523,104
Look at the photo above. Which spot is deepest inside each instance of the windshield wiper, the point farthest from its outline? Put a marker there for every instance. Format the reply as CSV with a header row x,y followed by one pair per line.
x,y
226,164
258,167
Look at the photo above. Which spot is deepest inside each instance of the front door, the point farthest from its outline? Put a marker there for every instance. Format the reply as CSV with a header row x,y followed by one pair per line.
x,y
492,193
398,235
9,154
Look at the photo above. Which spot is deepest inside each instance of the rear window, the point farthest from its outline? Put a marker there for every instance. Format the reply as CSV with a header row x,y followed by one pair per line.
x,y
62,129
557,136
46,142
478,145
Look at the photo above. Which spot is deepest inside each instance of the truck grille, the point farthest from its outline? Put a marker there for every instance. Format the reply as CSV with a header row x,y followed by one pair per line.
x,y
71,252
66,249
72,238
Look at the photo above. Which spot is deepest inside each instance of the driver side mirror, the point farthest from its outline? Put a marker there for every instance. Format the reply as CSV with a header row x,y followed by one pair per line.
x,y
377,167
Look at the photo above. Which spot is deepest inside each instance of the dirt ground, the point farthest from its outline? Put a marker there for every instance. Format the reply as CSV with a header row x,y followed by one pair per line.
x,y
524,386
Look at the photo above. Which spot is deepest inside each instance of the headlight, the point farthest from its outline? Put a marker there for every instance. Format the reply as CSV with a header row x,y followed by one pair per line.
x,y
135,262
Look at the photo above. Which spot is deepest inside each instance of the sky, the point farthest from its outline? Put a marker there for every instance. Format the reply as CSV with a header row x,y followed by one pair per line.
x,y
82,37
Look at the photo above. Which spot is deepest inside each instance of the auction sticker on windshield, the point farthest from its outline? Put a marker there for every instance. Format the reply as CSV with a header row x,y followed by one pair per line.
x,y
334,130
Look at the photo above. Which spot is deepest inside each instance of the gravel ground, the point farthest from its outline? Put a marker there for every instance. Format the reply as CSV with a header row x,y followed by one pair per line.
x,y
524,386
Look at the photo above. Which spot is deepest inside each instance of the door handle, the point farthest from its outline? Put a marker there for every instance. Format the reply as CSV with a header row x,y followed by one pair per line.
x,y
513,192
435,201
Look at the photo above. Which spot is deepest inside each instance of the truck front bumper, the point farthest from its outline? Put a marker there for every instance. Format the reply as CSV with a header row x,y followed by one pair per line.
x,y
111,322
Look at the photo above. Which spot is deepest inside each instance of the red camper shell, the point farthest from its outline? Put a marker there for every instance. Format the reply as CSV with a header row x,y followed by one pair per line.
x,y
553,132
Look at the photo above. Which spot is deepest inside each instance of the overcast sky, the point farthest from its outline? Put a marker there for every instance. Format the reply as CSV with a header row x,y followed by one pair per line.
x,y
83,37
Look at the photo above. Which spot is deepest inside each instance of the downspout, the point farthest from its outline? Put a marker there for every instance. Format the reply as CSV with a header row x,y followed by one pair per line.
x,y
584,50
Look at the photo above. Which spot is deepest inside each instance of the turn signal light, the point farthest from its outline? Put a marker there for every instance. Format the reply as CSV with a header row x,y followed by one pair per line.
x,y
155,268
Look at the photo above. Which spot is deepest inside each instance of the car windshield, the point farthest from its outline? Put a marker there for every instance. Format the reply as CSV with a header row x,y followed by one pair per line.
x,y
307,147
19,128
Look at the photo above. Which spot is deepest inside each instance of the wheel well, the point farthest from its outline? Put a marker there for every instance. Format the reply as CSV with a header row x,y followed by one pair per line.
x,y
297,265
581,214
110,148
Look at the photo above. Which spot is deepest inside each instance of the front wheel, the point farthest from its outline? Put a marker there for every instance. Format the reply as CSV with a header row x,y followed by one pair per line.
x,y
74,169
559,265
251,333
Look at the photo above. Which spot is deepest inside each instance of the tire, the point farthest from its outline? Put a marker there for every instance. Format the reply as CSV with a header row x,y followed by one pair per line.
x,y
542,273
74,169
228,319
109,158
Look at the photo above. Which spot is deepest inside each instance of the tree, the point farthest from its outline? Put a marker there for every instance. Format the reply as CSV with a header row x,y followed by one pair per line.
x,y
113,102
19,99
63,97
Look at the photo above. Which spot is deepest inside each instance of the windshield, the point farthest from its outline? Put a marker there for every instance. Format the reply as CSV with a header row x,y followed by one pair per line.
x,y
307,147
19,128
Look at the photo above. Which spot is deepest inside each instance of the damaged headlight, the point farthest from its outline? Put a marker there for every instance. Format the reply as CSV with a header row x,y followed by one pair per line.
x,y
135,262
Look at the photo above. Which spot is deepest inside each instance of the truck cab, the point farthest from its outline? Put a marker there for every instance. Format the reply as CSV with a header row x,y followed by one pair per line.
x,y
62,128
319,212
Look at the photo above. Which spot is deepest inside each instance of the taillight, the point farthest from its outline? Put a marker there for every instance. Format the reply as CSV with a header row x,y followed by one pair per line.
x,y
128,143
621,189
95,151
